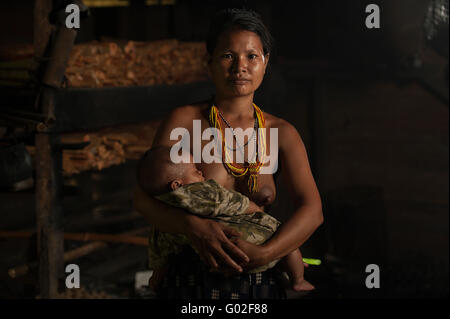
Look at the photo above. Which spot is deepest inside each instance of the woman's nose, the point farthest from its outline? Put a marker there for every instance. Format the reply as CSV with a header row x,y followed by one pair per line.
x,y
240,65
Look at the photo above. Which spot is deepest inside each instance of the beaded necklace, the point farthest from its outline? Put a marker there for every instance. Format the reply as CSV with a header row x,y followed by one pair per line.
x,y
250,169
238,147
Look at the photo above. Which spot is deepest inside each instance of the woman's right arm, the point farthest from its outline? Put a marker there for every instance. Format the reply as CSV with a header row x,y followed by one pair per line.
x,y
209,238
156,213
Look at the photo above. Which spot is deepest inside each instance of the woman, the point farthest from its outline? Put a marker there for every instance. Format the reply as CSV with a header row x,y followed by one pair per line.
x,y
239,49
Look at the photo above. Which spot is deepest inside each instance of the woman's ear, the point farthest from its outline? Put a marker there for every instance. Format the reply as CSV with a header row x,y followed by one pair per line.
x,y
266,61
175,184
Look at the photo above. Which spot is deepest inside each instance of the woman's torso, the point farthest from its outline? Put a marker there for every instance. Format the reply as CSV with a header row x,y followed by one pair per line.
x,y
266,193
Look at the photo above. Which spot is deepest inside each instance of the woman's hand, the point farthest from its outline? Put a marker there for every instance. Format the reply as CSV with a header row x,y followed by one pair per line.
x,y
212,242
209,238
258,254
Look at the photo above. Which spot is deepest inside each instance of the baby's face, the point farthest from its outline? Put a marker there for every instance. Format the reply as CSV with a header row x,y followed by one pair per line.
x,y
191,174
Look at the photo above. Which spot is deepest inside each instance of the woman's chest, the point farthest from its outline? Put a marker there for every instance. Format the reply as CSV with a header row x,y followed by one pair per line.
x,y
211,164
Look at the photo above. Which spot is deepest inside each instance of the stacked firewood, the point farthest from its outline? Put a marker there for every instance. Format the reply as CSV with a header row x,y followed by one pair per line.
x,y
106,147
112,64
121,63
14,52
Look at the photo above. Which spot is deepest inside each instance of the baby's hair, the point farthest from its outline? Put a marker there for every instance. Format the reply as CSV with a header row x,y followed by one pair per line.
x,y
155,171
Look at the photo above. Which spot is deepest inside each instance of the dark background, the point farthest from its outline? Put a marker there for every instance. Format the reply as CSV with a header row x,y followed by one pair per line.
x,y
371,106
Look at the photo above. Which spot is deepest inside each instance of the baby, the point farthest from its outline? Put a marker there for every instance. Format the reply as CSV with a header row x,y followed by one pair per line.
x,y
183,185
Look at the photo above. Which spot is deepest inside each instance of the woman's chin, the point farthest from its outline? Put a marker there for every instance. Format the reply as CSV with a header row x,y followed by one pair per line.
x,y
238,91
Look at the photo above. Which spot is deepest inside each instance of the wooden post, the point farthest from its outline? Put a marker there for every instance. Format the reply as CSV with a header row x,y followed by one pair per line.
x,y
42,30
49,215
52,49
48,266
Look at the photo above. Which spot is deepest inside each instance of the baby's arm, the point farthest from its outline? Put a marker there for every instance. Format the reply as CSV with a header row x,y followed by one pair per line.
x,y
252,208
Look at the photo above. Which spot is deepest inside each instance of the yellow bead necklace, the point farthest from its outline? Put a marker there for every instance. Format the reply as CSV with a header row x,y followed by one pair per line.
x,y
248,169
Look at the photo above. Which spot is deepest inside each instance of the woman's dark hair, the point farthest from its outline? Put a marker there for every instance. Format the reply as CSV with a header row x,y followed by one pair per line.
x,y
228,19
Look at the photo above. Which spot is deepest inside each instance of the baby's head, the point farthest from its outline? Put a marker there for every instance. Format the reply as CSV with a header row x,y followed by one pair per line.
x,y
157,174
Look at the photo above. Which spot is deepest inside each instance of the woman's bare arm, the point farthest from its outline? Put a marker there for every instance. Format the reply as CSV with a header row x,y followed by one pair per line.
x,y
307,216
151,209
297,175
209,238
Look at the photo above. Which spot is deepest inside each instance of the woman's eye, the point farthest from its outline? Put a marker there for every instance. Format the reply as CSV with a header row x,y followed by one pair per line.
x,y
252,56
228,56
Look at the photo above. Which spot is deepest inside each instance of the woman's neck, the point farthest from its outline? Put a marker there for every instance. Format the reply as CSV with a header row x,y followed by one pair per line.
x,y
235,107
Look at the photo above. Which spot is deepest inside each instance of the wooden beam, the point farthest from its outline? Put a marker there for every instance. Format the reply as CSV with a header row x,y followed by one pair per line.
x,y
52,50
42,29
49,215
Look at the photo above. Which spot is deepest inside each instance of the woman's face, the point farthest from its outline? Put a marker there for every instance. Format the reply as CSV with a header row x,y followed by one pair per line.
x,y
238,63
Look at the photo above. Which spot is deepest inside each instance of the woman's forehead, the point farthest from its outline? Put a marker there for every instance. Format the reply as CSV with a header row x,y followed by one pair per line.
x,y
239,40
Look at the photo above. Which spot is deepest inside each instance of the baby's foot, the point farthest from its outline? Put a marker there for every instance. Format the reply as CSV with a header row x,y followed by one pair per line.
x,y
154,283
156,279
300,284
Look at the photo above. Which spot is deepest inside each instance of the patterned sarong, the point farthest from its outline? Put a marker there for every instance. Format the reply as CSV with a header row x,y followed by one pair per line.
x,y
189,278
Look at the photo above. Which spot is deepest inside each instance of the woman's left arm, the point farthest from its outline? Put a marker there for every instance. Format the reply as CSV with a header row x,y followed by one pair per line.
x,y
298,178
307,215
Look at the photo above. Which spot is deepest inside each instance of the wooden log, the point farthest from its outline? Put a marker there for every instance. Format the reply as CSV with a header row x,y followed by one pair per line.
x,y
135,240
49,215
78,252
42,29
106,64
106,147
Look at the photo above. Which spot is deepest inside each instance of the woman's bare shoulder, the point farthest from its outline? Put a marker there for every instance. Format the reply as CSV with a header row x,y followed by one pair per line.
x,y
188,110
281,124
179,117
288,135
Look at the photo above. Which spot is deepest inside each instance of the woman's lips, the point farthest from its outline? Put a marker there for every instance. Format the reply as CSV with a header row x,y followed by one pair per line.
x,y
239,82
